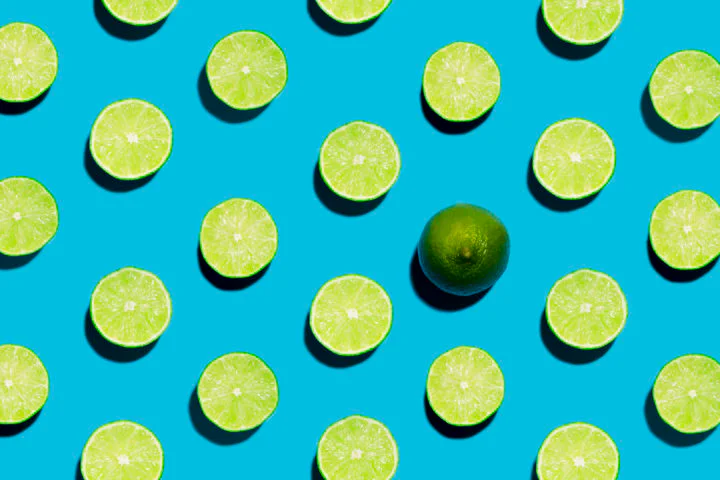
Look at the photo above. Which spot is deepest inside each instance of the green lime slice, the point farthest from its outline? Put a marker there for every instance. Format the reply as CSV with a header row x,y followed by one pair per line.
x,y
24,384
359,161
357,447
574,159
685,230
465,386
140,12
238,392
685,89
28,62
131,139
461,82
238,238
353,11
131,307
687,393
578,451
351,315
247,70
123,451
28,216
586,309
583,22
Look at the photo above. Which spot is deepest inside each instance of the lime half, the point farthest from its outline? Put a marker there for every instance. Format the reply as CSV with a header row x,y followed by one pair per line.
x,y
28,62
28,216
24,384
353,11
357,447
360,161
465,386
351,315
247,70
140,12
578,451
131,307
461,82
687,393
586,309
574,159
685,89
685,230
583,22
123,451
238,392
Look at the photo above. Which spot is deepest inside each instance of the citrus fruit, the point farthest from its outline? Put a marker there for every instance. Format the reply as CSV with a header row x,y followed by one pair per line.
x,y
353,11
24,384
28,62
28,216
583,22
578,451
140,12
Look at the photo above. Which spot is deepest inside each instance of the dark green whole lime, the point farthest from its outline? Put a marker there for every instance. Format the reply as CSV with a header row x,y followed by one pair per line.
x,y
464,249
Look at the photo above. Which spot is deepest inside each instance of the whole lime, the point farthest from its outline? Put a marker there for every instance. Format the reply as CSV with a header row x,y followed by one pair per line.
x,y
464,249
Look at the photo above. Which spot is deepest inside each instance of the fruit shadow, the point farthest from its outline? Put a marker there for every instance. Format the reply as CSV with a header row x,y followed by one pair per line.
x,y
453,431
656,124
209,430
315,470
446,126
220,109
122,30
18,428
547,199
325,356
111,351
533,473
566,353
18,108
8,262
340,205
332,26
561,48
225,283
672,274
78,471
665,432
104,180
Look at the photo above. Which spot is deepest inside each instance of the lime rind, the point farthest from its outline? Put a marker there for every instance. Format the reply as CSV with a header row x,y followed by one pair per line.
x,y
587,41
44,386
346,20
54,219
157,16
53,65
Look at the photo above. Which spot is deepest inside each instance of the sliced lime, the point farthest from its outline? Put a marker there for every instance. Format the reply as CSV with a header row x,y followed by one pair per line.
x,y
28,216
24,384
685,89
140,12
583,22
574,159
578,451
122,451
586,309
131,307
685,230
687,393
131,139
465,386
28,62
360,161
238,392
461,82
357,447
247,70
354,11
238,238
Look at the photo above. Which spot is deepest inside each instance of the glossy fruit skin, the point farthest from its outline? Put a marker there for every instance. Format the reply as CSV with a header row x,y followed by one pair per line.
x,y
464,249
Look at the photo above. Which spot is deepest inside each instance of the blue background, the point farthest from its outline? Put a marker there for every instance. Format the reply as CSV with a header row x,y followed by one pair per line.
x,y
336,76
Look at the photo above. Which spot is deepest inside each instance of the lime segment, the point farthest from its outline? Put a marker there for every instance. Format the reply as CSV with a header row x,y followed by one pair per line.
x,y
465,386
238,392
578,451
353,11
687,393
574,159
28,216
28,62
461,82
247,70
357,447
122,451
140,12
24,384
583,22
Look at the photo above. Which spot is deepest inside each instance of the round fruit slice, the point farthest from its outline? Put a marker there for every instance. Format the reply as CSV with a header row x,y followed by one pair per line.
x,y
578,451
247,70
583,22
357,447
353,11
574,159
687,393
586,309
28,62
351,315
685,89
461,82
122,450
131,139
140,12
24,384
238,392
465,386
360,161
131,307
238,238
28,216
685,230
